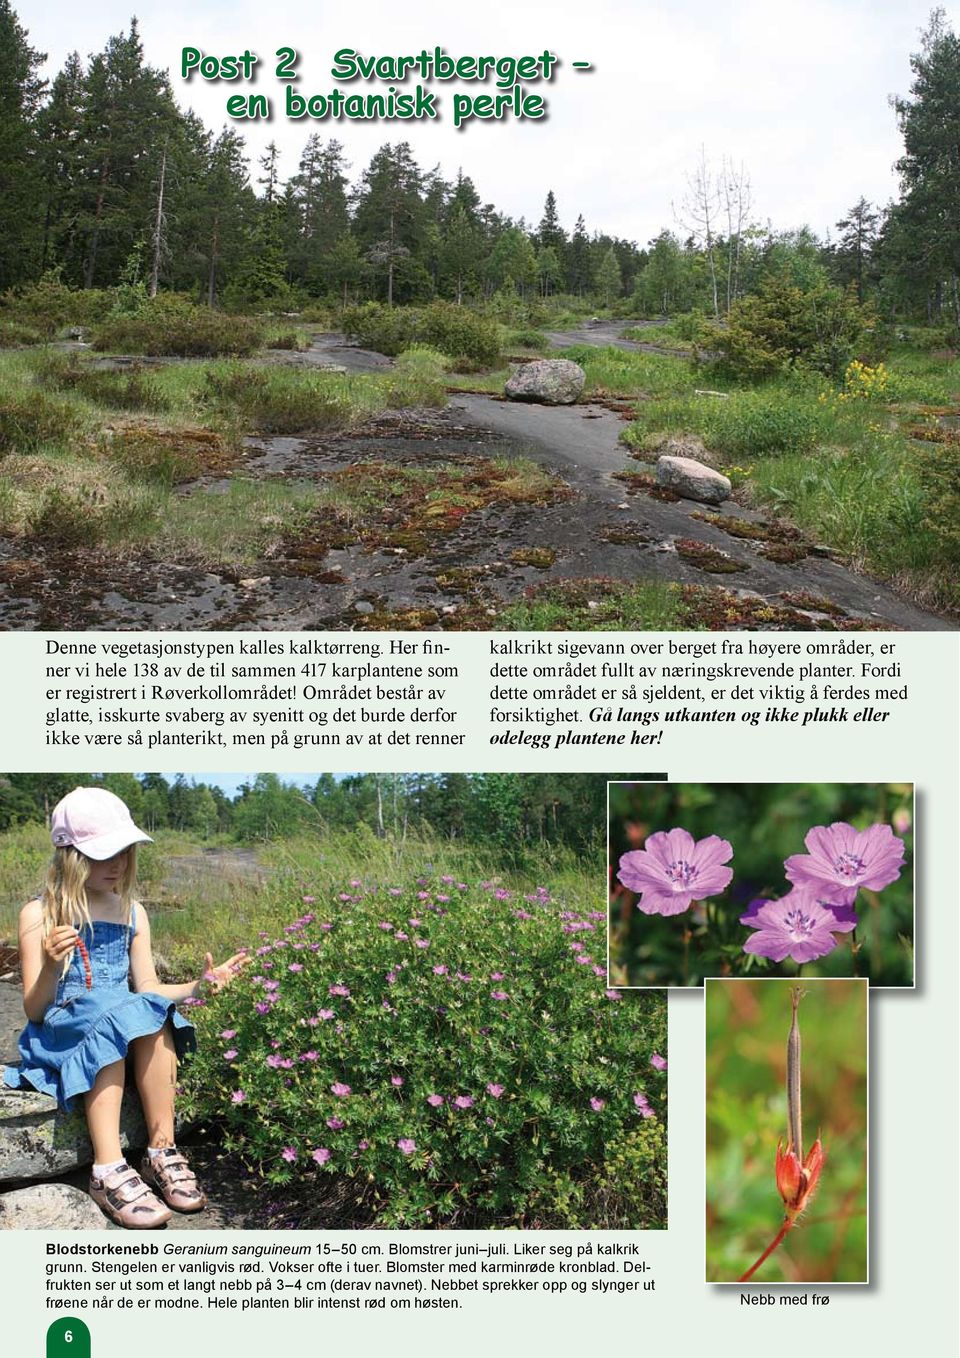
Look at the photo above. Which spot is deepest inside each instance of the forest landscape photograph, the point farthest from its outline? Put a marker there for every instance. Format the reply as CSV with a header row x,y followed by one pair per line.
x,y
663,371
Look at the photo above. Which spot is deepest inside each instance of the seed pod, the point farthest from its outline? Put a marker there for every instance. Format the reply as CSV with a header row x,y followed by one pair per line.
x,y
85,959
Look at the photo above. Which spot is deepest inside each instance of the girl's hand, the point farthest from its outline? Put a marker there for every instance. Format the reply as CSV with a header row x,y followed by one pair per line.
x,y
58,943
218,977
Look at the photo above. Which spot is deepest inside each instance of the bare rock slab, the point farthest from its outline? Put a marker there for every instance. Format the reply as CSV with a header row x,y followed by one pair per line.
x,y
693,480
549,381
38,1141
50,1207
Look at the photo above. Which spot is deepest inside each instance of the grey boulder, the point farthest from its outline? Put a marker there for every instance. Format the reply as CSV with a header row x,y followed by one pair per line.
x,y
549,381
692,480
50,1207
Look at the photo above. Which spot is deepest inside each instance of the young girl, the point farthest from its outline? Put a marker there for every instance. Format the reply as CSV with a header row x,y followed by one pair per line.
x,y
91,995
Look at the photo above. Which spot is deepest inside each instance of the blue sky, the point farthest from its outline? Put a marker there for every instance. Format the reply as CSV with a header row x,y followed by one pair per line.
x,y
797,91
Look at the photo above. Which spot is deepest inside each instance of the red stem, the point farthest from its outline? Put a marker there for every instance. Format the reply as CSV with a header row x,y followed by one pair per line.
x,y
768,1251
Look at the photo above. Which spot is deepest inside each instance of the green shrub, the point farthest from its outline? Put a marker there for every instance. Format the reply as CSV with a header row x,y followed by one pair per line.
x,y
821,327
526,339
29,419
456,331
17,335
417,378
132,389
278,400
81,516
444,1046
49,307
169,325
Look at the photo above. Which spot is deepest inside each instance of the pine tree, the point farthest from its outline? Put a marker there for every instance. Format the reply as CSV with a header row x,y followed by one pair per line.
x,y
930,167
389,220
609,281
858,236
21,180
578,260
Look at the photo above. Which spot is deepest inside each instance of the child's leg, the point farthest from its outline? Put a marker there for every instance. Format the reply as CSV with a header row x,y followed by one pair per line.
x,y
102,1104
155,1071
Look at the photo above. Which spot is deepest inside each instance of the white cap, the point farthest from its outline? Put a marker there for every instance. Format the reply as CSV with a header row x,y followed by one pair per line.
x,y
96,822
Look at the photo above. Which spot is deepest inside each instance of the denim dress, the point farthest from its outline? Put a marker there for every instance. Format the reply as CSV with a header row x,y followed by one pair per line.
x,y
84,1029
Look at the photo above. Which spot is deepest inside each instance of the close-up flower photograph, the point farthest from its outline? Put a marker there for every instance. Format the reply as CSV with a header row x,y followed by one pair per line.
x,y
760,879
786,1133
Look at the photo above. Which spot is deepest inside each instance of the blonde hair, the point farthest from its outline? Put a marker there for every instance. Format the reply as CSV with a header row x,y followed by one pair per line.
x,y
64,898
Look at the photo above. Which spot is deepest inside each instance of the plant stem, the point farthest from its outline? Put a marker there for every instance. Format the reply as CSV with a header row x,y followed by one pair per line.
x,y
777,1239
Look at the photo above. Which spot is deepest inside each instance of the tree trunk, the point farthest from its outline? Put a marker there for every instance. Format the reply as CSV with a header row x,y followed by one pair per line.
x,y
158,227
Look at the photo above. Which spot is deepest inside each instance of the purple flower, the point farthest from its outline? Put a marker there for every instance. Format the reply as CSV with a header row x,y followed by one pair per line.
x,y
289,1153
598,1105
494,1090
643,1108
394,891
499,995
396,1081
801,926
400,936
310,1056
658,1062
613,994
422,943
325,1014
385,924
238,1096
335,1124
342,1091
338,990
841,856
464,976
435,1100
496,976
463,1101
228,1033
295,966
440,971
406,1145
321,1155
230,1055
261,1007
673,870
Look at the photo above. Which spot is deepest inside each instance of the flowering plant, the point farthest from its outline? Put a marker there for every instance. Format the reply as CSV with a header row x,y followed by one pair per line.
x,y
493,1070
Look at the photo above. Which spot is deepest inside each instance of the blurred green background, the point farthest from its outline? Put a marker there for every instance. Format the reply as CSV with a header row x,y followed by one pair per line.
x,y
747,1022
765,823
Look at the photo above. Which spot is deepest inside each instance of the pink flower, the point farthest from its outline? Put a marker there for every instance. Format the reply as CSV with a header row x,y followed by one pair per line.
x,y
342,1091
310,1056
335,1124
396,1081
658,1062
321,1155
422,943
295,966
499,995
400,936
406,1145
673,870
230,1055
289,1153
440,971
385,924
464,976
843,857
494,1090
496,976
463,1101
801,926
325,1014
598,1105
339,990
643,1108
228,1033
435,1100
613,994
238,1096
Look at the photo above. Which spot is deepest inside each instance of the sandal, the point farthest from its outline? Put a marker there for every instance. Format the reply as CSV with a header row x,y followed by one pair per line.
x,y
174,1180
128,1201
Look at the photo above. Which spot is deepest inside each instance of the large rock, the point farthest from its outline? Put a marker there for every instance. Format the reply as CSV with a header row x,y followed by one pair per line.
x,y
37,1141
551,381
693,480
686,445
51,1207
